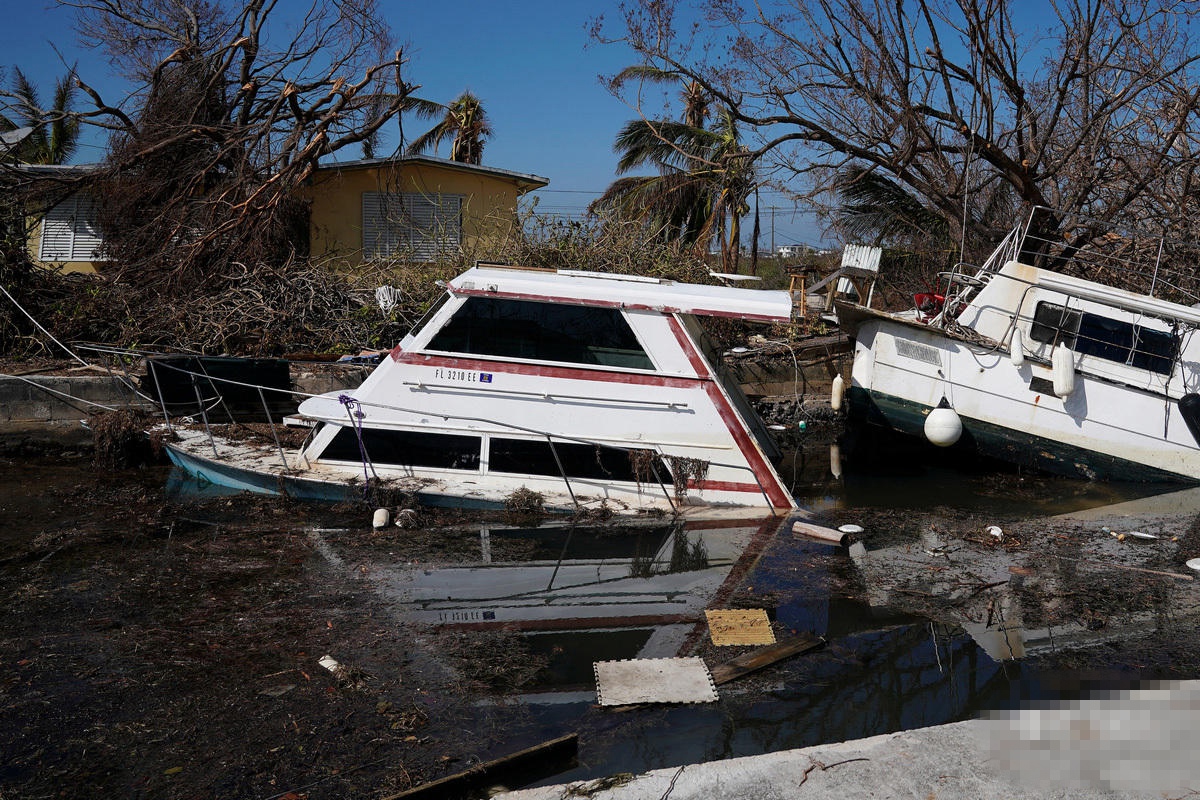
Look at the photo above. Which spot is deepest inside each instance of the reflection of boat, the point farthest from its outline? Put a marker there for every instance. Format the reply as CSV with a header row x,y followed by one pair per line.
x,y
1040,367
580,577
586,389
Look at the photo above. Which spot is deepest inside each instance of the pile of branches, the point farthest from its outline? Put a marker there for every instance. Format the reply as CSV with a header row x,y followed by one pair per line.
x,y
602,244
264,310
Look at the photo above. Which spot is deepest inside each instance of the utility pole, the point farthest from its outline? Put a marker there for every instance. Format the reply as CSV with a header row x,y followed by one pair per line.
x,y
772,231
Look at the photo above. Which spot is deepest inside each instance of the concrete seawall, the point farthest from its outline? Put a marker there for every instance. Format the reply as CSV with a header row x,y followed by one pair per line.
x,y
48,409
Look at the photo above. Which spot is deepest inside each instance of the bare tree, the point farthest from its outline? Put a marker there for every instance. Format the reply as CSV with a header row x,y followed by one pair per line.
x,y
232,109
1093,116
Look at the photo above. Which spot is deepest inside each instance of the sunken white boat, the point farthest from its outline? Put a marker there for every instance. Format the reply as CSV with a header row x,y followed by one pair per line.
x,y
1021,360
595,391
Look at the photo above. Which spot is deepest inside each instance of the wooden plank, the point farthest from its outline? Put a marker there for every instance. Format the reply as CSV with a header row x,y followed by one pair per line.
x,y
818,532
515,770
764,657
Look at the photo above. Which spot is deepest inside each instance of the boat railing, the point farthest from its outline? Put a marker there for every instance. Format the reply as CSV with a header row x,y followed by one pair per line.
x,y
207,404
1127,257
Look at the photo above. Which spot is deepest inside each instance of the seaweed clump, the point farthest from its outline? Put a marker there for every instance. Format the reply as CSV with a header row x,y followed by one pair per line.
x,y
123,438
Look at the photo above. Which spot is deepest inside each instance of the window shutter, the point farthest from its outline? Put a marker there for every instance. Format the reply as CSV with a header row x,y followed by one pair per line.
x,y
69,231
411,224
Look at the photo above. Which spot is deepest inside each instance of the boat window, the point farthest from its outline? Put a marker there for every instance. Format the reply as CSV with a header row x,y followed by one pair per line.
x,y
534,457
1104,337
1054,324
406,449
489,326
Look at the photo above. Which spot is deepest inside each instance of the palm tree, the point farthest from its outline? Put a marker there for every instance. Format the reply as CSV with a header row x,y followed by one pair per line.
x,y
696,100
877,209
55,134
704,181
464,124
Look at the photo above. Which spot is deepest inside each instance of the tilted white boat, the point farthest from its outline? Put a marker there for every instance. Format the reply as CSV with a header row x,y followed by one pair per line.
x,y
1039,368
591,390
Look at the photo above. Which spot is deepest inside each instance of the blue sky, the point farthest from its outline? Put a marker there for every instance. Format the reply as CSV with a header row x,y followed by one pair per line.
x,y
531,63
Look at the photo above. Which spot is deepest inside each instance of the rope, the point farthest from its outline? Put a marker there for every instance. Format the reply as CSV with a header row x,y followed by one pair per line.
x,y
356,417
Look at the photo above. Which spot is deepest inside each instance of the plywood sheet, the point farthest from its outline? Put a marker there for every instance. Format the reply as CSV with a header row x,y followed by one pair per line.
x,y
654,680
740,626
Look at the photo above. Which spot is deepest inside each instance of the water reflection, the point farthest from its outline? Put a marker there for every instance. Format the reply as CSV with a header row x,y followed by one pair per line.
x,y
651,581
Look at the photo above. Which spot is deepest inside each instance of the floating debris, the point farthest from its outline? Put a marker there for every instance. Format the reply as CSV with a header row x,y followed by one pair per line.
x,y
739,626
654,680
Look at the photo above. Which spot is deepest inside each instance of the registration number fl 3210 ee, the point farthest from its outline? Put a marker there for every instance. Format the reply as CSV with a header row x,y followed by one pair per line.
x,y
461,375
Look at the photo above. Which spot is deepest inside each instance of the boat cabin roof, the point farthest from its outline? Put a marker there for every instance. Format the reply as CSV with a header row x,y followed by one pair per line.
x,y
624,291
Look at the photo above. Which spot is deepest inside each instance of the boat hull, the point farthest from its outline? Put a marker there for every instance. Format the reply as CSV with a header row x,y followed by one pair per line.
x,y
869,410
1102,430
257,468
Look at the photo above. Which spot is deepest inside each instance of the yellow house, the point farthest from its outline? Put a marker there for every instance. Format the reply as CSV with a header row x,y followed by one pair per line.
x,y
65,238
412,208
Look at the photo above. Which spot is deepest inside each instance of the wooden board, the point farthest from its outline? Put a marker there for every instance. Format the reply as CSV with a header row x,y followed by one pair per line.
x,y
764,657
739,626
518,769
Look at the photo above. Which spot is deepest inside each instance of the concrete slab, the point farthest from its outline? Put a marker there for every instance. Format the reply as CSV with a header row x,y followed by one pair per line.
x,y
1135,744
654,680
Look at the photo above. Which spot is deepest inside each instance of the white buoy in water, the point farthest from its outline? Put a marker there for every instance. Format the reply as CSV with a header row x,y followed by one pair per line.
x,y
1063,364
835,394
381,519
835,460
1016,349
943,426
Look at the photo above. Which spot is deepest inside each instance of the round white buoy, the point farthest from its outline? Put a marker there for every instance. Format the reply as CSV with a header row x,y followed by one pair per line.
x,y
1016,349
1193,563
381,519
943,426
995,531
1063,364
850,528
836,393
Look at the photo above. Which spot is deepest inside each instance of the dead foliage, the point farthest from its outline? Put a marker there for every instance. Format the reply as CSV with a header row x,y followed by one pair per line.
x,y
497,661
525,501
122,439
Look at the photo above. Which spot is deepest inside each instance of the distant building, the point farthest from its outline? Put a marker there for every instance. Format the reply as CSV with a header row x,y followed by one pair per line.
x,y
414,208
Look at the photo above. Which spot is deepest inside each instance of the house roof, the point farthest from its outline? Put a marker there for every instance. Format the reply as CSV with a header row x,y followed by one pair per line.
x,y
525,182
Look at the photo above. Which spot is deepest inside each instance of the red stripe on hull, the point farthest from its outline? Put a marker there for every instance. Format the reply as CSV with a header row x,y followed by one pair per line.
x,y
733,423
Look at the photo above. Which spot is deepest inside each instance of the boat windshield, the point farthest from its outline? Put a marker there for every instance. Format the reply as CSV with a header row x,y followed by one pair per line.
x,y
492,326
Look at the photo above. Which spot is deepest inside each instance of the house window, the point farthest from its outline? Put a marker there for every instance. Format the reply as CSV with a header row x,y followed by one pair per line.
x,y
420,226
69,231
1104,337
488,326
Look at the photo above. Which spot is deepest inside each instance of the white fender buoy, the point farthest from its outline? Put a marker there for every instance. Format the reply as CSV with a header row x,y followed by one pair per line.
x,y
1016,349
835,461
836,393
1063,364
943,426
381,519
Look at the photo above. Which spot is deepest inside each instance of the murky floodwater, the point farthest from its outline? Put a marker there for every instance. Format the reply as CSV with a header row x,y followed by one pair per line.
x,y
561,597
